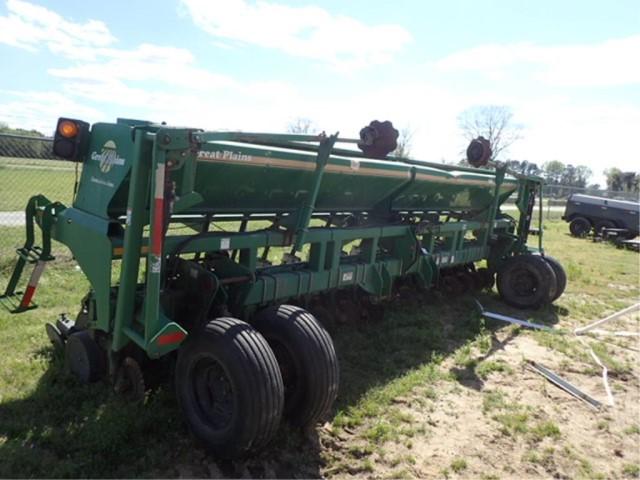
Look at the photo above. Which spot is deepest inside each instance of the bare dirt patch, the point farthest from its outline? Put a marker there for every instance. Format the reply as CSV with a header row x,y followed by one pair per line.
x,y
513,423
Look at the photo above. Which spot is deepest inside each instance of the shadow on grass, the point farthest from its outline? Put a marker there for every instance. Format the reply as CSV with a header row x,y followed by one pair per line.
x,y
418,330
67,429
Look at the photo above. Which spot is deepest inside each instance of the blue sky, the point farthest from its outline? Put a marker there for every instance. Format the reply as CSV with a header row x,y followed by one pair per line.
x,y
569,70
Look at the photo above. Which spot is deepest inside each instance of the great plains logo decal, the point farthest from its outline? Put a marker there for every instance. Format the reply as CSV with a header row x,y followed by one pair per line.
x,y
224,155
108,157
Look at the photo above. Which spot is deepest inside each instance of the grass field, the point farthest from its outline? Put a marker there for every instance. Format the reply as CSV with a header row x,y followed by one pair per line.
x,y
394,371
430,362
22,178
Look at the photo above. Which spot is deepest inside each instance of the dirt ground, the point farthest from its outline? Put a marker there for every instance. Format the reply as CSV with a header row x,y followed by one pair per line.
x,y
427,391
516,424
502,421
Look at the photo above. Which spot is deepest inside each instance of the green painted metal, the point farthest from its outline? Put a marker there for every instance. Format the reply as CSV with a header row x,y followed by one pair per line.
x,y
136,217
161,200
87,236
305,211
266,178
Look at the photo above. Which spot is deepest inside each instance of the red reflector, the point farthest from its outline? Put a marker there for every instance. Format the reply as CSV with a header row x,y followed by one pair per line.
x,y
169,338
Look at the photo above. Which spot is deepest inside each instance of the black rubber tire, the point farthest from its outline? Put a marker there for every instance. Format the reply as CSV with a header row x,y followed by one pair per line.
x,y
579,227
129,381
526,281
561,276
307,359
601,224
228,358
488,279
84,358
55,337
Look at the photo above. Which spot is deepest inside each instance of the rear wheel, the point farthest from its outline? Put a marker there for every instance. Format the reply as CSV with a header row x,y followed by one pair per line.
x,y
55,337
561,276
526,281
579,227
229,387
129,381
85,359
602,224
307,361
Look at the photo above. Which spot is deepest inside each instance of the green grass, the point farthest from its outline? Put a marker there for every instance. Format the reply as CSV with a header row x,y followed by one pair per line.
x,y
493,400
515,418
545,429
19,181
513,422
487,367
632,430
52,426
458,465
10,239
631,470
541,457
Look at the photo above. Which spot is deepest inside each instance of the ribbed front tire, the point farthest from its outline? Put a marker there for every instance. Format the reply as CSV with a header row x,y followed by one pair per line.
x,y
561,276
307,361
229,388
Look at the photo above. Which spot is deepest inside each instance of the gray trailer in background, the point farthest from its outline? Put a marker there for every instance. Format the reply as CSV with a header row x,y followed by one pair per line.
x,y
586,213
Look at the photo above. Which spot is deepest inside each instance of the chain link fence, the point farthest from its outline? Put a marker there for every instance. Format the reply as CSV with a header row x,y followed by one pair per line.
x,y
28,167
560,193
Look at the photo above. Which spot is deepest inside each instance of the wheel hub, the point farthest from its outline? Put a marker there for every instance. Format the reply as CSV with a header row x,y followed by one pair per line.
x,y
524,283
213,393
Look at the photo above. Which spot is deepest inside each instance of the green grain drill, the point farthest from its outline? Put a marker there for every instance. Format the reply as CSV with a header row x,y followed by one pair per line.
x,y
178,231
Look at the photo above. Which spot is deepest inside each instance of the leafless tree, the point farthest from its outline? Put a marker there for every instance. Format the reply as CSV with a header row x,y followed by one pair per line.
x,y
302,125
403,150
493,122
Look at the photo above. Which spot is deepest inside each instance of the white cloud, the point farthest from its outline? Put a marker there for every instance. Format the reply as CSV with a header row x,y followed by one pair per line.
x,y
146,63
598,135
41,109
167,83
609,63
28,26
146,75
165,79
308,31
152,81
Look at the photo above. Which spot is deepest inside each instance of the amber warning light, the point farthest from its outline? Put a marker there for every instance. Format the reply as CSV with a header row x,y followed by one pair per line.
x,y
68,129
71,139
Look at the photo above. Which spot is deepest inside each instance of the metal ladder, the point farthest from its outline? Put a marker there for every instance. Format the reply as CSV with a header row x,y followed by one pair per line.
x,y
20,301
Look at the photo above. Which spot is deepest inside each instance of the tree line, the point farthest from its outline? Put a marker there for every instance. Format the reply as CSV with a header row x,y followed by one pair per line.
x,y
496,124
